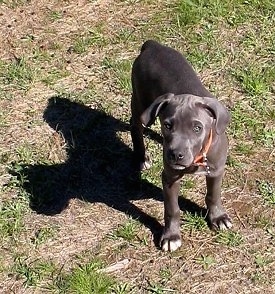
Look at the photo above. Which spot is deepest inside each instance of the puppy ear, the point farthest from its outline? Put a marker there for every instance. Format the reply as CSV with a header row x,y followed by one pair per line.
x,y
149,115
219,112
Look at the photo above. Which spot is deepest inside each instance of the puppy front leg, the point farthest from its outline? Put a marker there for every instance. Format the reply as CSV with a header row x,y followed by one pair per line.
x,y
216,213
171,239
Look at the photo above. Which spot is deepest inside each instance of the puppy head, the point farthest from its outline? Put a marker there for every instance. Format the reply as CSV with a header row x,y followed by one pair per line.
x,y
186,121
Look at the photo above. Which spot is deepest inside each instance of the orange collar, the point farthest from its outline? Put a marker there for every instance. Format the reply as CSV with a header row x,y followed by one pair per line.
x,y
201,159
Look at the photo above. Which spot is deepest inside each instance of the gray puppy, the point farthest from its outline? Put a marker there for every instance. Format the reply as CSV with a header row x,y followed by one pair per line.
x,y
193,127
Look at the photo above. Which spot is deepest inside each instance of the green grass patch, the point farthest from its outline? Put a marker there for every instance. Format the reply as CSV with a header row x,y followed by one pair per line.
x,y
194,222
262,261
86,279
256,80
187,184
11,218
55,15
53,75
165,274
14,3
206,261
230,238
93,37
124,35
247,124
198,58
267,190
156,288
244,149
32,273
85,96
233,162
194,12
83,279
121,70
43,234
127,231
18,74
263,222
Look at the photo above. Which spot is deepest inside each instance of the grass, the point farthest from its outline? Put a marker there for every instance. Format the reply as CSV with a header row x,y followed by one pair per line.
x,y
18,74
230,238
83,43
54,75
55,15
31,273
11,219
84,279
158,289
248,117
43,234
194,222
234,12
165,274
121,70
206,261
70,206
13,3
255,80
193,12
127,231
267,190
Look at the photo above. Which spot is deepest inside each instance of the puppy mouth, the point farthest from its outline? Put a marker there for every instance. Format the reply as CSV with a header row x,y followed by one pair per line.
x,y
179,167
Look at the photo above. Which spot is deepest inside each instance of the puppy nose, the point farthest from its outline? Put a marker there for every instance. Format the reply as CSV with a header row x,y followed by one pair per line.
x,y
180,156
175,156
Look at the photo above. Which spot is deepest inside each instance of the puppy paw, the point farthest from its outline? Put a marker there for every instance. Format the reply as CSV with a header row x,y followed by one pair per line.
x,y
170,244
222,222
146,164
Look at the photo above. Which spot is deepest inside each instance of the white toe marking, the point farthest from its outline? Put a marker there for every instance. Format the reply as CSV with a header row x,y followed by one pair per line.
x,y
222,226
229,225
145,165
174,245
165,245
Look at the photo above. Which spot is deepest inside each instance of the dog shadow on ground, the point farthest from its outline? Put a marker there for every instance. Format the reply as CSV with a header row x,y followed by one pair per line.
x,y
98,167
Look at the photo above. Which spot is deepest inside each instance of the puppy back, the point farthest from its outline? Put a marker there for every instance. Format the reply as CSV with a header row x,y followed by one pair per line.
x,y
149,43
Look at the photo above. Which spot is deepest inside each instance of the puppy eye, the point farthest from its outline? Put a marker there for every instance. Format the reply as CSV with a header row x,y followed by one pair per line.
x,y
197,129
168,125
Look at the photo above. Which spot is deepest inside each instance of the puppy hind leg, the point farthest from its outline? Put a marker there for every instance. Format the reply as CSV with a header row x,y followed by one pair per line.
x,y
140,156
